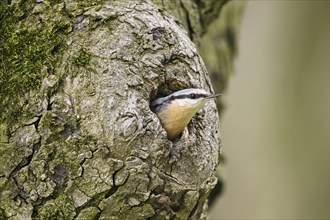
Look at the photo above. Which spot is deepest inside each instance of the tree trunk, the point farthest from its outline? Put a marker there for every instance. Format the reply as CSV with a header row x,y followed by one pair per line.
x,y
78,139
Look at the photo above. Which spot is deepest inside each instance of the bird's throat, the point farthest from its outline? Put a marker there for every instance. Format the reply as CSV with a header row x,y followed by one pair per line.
x,y
176,119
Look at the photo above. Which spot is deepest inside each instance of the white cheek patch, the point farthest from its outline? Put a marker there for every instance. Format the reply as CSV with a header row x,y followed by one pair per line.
x,y
190,103
183,102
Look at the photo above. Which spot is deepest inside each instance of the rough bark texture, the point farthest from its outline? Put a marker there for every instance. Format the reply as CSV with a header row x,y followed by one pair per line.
x,y
77,136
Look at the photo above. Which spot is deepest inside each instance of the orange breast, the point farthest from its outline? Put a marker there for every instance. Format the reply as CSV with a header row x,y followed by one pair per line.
x,y
174,119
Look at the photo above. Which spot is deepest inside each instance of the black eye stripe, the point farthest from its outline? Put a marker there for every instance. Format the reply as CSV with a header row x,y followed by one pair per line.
x,y
191,96
156,104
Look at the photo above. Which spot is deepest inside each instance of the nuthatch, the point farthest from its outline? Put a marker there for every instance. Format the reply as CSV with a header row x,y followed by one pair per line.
x,y
176,110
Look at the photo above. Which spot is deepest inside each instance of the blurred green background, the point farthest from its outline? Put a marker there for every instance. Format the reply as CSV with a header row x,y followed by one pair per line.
x,y
275,127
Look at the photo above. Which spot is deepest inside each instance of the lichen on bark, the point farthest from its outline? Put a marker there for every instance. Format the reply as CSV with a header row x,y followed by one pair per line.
x,y
84,142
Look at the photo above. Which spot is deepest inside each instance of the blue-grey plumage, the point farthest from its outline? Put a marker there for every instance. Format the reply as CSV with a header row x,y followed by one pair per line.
x,y
176,110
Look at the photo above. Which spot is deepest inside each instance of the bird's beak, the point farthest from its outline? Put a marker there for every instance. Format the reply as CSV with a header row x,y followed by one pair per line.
x,y
212,96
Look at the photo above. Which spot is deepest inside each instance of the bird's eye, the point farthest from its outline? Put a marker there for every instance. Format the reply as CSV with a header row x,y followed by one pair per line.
x,y
193,96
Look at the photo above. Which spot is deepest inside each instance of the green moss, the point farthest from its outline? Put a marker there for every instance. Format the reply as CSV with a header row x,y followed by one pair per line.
x,y
27,46
88,213
32,40
51,212
84,57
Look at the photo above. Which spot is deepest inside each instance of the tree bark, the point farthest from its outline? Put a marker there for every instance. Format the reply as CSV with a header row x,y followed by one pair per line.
x,y
78,139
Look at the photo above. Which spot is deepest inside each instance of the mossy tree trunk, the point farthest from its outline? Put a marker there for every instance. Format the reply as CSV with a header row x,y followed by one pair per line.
x,y
77,137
